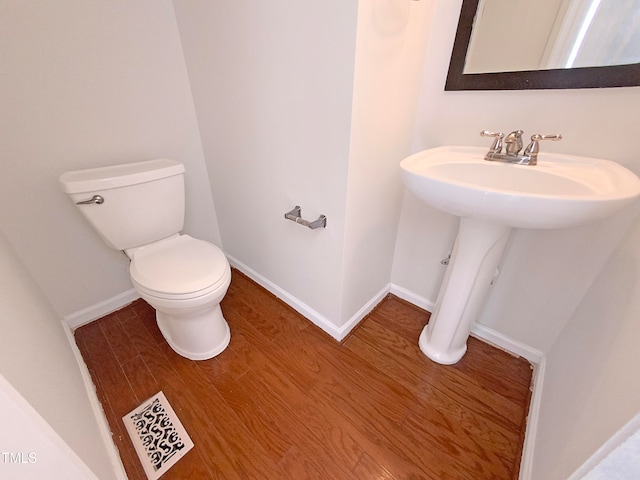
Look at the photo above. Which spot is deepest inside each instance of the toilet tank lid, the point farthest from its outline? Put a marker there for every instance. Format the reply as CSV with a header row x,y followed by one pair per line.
x,y
114,176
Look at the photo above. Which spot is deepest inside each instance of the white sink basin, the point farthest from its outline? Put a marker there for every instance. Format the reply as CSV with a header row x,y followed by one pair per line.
x,y
491,198
560,191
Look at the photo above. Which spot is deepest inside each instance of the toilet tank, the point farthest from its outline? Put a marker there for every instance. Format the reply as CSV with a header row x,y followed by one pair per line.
x,y
143,201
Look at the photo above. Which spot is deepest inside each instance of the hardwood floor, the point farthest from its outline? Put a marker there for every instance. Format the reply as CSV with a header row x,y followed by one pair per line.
x,y
286,401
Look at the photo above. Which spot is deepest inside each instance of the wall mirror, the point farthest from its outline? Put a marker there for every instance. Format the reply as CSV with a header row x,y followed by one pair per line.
x,y
547,44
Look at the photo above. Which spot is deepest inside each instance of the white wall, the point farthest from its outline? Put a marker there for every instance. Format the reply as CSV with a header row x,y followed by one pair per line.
x,y
36,360
389,55
272,83
286,121
558,291
591,387
85,84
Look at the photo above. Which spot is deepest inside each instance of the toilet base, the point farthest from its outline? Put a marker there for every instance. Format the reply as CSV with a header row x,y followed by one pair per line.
x,y
197,337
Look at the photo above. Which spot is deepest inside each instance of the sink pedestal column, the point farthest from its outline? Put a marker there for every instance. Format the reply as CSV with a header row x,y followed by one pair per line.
x,y
474,259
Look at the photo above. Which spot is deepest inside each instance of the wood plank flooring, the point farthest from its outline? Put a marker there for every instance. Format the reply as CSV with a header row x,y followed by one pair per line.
x,y
286,401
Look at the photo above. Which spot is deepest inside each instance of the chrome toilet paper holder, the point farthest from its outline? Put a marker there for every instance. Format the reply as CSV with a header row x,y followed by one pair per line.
x,y
295,215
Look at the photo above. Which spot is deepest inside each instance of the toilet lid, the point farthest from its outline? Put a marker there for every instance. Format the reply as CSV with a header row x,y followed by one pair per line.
x,y
178,265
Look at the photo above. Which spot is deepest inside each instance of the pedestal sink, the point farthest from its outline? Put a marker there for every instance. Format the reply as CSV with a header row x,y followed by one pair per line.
x,y
491,198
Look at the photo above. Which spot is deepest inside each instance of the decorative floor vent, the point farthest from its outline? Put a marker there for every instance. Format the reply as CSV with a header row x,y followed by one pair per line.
x,y
158,436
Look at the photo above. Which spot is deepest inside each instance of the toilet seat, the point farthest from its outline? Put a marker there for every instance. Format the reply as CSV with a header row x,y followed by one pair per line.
x,y
179,267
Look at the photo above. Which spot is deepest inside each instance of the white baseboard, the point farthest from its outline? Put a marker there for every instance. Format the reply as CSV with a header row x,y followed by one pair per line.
x,y
96,406
299,306
515,347
339,333
480,331
363,312
531,432
413,298
93,312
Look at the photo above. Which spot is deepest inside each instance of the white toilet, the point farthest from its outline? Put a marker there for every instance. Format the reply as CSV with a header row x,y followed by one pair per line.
x,y
139,208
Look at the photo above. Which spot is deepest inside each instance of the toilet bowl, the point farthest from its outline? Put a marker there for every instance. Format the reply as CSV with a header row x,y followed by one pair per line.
x,y
139,208
184,280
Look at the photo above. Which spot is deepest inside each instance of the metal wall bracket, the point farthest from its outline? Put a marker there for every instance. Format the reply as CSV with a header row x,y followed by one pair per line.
x,y
295,215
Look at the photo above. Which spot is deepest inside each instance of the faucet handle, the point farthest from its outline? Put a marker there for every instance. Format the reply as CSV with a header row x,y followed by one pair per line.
x,y
554,137
534,147
496,146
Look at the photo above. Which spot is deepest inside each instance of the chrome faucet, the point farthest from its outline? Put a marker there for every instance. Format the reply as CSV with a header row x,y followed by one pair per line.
x,y
513,143
513,146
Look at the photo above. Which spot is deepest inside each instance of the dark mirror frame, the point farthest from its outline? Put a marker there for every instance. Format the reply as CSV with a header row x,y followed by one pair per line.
x,y
588,77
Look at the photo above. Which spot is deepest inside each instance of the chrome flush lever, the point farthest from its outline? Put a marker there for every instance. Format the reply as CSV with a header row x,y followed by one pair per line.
x,y
97,199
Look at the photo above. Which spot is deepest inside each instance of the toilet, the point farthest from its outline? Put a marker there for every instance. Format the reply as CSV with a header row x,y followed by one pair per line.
x,y
139,208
